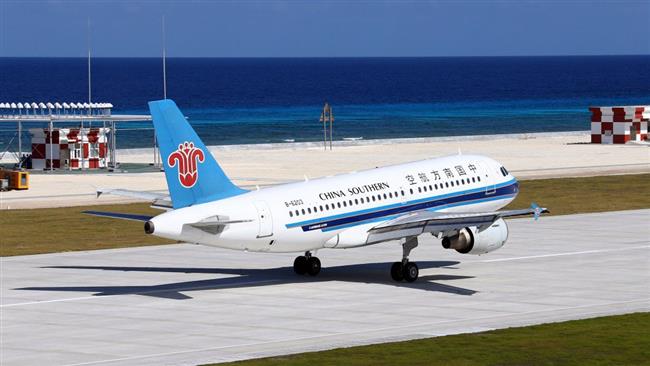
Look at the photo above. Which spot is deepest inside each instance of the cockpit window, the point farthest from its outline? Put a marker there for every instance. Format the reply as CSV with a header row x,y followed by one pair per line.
x,y
504,171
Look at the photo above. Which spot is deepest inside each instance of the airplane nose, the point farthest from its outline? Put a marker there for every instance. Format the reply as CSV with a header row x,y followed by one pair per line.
x,y
149,227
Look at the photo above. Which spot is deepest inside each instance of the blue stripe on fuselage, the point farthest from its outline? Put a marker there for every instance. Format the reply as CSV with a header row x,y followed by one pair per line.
x,y
502,190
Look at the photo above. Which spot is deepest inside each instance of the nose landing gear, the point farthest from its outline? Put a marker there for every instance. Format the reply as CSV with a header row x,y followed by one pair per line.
x,y
307,264
405,270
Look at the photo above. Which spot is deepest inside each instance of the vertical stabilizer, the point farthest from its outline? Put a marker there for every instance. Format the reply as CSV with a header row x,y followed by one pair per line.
x,y
193,175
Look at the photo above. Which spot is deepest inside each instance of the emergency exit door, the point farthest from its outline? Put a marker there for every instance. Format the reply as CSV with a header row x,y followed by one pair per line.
x,y
489,179
264,219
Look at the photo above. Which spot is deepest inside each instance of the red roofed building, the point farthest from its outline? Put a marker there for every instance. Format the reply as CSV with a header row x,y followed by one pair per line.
x,y
70,148
618,125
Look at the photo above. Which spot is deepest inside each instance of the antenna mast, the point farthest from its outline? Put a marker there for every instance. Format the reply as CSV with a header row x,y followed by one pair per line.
x,y
164,59
89,74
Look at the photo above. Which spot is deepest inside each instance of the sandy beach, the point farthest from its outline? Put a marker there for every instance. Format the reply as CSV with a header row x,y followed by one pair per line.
x,y
527,156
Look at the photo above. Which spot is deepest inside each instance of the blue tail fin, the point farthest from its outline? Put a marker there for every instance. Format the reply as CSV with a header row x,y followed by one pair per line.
x,y
193,175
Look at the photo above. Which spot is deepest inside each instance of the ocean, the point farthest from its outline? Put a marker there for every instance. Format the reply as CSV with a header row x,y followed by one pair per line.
x,y
267,100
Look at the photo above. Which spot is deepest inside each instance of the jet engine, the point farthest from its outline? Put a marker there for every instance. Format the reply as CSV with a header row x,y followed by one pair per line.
x,y
471,241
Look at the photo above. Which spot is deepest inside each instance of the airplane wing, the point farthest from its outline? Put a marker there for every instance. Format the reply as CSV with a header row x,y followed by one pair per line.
x,y
437,223
158,200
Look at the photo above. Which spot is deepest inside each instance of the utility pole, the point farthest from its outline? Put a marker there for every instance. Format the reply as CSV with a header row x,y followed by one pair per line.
x,y
156,153
325,117
81,129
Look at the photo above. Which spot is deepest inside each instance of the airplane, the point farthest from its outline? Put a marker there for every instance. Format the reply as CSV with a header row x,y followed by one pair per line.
x,y
455,198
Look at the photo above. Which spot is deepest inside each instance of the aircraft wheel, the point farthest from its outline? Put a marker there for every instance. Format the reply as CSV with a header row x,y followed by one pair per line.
x,y
411,272
396,271
300,265
313,266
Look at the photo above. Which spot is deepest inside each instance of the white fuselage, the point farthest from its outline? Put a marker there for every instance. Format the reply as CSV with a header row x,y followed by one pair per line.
x,y
336,212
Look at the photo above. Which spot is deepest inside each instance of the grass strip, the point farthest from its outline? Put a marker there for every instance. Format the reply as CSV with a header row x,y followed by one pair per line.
x,y
611,340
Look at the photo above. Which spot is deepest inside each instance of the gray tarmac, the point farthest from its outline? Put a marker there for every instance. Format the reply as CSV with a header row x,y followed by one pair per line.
x,y
185,304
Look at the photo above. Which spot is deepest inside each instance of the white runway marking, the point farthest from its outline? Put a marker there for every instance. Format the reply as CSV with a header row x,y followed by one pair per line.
x,y
563,254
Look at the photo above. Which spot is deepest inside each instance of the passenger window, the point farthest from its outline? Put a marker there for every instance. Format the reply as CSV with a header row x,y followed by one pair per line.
x,y
297,213
356,201
402,193
303,211
452,183
308,209
321,208
339,204
373,198
419,190
290,214
385,196
479,178
447,184
411,190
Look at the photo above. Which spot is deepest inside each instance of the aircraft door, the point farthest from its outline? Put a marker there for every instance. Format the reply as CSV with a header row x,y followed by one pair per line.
x,y
490,179
264,219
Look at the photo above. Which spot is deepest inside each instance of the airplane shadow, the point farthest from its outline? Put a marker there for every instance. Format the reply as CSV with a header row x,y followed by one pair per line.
x,y
368,273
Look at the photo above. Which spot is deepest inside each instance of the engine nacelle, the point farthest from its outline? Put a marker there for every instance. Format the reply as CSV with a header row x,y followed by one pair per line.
x,y
470,241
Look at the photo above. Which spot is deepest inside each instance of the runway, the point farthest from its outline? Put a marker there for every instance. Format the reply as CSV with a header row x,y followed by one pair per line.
x,y
185,304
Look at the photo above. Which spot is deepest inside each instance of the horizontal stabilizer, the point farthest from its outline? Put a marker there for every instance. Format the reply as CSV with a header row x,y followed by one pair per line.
x,y
118,215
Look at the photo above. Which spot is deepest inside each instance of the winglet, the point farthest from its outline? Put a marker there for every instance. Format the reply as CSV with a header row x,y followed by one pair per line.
x,y
537,210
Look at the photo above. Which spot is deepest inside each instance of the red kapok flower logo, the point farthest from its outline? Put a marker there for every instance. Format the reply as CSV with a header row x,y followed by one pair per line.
x,y
187,157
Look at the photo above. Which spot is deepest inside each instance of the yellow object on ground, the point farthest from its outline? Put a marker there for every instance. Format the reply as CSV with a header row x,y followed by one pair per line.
x,y
17,179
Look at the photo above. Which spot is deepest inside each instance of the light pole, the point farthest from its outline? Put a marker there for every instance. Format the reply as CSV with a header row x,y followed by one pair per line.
x,y
327,116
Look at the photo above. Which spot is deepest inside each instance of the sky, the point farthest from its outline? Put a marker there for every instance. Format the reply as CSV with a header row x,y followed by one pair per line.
x,y
334,28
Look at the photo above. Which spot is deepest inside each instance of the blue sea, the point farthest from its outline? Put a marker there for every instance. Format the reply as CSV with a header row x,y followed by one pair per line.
x,y
265,100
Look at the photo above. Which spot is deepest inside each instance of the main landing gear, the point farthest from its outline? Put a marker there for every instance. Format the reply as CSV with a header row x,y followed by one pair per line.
x,y
306,264
405,270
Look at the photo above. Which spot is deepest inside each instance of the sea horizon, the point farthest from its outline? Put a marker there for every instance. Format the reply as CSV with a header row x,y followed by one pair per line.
x,y
244,100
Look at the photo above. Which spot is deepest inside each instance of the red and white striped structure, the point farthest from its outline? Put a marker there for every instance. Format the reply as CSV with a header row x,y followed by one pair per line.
x,y
618,125
69,148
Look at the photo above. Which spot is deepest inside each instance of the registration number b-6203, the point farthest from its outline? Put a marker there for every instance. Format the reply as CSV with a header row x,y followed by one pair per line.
x,y
294,203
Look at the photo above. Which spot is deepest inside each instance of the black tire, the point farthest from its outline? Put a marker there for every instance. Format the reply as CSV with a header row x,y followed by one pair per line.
x,y
411,272
300,265
396,271
313,266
